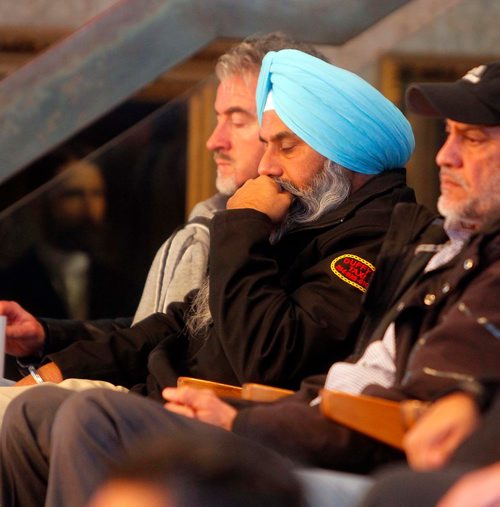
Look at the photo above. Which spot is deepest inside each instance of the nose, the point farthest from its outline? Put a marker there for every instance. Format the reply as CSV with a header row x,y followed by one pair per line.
x,y
219,139
269,165
449,154
95,207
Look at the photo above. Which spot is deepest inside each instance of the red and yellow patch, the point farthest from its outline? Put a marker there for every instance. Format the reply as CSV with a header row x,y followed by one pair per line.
x,y
353,270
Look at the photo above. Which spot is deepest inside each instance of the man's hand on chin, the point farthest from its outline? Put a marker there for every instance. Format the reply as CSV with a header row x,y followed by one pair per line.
x,y
262,194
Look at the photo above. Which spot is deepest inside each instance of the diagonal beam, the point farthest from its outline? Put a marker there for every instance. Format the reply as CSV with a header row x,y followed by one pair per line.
x,y
91,71
330,22
129,45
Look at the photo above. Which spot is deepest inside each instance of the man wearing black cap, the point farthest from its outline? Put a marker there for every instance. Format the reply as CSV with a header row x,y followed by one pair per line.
x,y
470,200
469,164
468,264
470,158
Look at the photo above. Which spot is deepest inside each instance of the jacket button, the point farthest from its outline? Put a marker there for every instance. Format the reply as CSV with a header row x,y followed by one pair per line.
x,y
468,263
429,299
445,288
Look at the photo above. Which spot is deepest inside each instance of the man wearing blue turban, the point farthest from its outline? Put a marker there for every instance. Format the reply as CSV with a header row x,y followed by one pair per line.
x,y
309,108
335,112
290,259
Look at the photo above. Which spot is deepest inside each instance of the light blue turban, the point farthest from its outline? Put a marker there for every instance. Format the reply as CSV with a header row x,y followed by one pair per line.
x,y
337,113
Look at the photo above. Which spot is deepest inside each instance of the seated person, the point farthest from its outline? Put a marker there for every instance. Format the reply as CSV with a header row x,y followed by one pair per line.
x,y
279,309
65,274
429,327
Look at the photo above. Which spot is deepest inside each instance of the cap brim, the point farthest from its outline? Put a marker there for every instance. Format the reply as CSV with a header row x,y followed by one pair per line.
x,y
448,100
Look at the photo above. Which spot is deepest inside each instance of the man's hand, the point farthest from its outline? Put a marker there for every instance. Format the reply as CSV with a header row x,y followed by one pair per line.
x,y
49,372
25,336
200,404
442,428
262,194
480,488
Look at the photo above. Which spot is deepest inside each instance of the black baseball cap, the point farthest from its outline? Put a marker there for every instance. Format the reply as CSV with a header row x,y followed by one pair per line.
x,y
475,98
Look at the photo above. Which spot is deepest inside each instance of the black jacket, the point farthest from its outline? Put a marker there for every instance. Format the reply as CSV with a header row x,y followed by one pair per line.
x,y
280,312
447,338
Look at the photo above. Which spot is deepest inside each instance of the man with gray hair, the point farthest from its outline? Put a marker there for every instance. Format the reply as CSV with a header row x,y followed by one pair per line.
x,y
237,151
181,263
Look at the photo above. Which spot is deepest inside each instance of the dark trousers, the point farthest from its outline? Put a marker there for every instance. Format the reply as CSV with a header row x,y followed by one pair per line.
x,y
79,434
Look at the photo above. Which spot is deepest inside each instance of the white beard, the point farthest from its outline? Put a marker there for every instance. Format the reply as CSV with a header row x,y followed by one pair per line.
x,y
225,184
328,190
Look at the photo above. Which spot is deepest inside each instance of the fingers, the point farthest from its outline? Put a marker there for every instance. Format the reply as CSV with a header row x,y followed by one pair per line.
x,y
201,404
17,315
285,199
180,409
17,330
431,442
262,194
424,442
186,395
24,337
431,445
429,456
442,452
11,310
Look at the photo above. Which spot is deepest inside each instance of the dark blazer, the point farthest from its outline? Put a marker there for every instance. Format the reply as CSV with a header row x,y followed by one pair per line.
x,y
27,282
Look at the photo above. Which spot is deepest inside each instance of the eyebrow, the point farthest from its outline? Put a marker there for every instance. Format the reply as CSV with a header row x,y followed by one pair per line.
x,y
236,109
284,134
466,127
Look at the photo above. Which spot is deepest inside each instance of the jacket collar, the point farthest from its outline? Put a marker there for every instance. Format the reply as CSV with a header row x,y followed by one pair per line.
x,y
374,187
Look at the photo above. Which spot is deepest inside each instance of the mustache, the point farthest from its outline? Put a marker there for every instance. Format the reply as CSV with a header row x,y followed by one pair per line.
x,y
452,176
221,156
288,186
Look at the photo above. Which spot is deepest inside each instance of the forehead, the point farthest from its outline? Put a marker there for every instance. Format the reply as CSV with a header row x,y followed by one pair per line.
x,y
273,126
492,131
236,92
82,175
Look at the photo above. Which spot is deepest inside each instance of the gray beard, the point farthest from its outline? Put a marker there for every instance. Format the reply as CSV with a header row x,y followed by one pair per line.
x,y
472,212
327,191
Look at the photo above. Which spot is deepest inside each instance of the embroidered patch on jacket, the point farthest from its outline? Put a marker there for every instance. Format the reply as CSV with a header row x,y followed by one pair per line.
x,y
353,270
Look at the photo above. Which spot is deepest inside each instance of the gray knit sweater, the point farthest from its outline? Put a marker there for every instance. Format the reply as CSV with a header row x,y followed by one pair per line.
x,y
180,265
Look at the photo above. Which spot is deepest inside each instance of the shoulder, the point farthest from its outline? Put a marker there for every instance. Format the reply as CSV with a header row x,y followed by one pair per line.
x,y
208,207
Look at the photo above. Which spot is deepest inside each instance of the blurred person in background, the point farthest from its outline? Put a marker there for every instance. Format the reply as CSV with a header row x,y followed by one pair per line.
x,y
174,473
